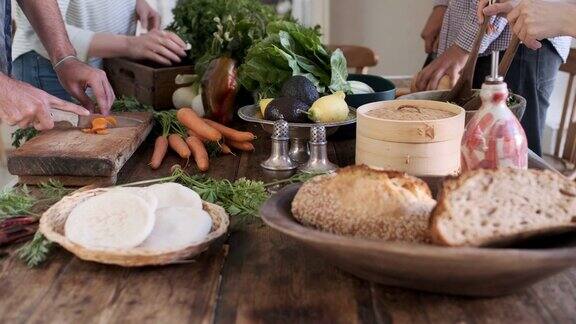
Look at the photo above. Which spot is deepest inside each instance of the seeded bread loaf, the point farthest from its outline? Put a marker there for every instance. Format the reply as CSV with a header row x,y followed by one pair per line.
x,y
362,202
493,207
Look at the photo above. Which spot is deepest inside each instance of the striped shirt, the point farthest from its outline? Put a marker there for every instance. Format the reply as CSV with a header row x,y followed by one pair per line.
x,y
83,18
460,27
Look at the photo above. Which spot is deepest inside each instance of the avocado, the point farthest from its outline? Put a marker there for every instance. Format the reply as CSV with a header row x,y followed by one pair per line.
x,y
301,88
290,109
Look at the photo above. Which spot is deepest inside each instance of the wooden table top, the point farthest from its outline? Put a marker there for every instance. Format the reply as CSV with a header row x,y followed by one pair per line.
x,y
257,275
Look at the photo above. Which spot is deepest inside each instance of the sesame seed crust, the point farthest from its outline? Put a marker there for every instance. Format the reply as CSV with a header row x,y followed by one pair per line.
x,y
363,202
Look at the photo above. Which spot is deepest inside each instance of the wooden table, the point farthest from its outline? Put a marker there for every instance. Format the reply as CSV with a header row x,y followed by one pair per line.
x,y
258,275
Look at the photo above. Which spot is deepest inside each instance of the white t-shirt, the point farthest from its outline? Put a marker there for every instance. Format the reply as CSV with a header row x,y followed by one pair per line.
x,y
83,19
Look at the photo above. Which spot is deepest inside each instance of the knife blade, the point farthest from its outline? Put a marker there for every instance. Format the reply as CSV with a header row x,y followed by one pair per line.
x,y
60,116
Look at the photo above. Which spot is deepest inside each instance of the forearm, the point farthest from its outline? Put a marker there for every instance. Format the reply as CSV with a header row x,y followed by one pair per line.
x,y
106,45
46,19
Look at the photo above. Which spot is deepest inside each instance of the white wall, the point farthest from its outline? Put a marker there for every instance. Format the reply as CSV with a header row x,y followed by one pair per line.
x,y
390,27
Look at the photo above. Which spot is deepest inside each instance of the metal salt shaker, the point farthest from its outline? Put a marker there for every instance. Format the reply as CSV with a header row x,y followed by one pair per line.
x,y
279,159
299,150
318,162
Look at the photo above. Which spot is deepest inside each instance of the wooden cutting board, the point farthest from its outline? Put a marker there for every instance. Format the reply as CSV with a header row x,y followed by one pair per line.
x,y
76,158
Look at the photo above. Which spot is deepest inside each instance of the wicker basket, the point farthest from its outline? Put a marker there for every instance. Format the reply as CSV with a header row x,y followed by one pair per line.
x,y
52,226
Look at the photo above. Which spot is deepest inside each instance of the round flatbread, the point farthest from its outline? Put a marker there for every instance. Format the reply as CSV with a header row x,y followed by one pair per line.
x,y
178,227
112,220
143,193
172,194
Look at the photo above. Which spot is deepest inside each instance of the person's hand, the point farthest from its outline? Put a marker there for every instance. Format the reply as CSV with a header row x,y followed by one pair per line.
x,y
148,17
26,105
502,8
450,63
533,21
431,30
159,46
76,77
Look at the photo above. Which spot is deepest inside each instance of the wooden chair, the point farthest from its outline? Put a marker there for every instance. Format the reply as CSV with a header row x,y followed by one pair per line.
x,y
359,58
565,148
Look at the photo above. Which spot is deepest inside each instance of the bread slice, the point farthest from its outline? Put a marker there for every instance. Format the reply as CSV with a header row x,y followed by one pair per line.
x,y
494,207
363,202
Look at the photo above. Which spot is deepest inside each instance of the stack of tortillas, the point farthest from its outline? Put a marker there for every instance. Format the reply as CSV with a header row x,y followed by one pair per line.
x,y
135,226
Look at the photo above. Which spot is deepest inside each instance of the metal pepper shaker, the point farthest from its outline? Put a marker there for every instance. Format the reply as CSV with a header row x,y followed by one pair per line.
x,y
279,159
318,162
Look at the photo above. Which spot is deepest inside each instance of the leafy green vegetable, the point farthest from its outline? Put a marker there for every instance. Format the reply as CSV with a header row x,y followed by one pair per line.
x,y
338,81
22,135
292,49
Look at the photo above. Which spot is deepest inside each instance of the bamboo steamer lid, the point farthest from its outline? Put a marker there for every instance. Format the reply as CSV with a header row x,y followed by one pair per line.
x,y
429,147
411,131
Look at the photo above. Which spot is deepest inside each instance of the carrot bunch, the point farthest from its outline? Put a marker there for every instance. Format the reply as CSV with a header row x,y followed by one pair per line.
x,y
188,135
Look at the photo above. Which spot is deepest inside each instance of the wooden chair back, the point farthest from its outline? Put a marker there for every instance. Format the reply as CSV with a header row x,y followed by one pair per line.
x,y
568,138
359,58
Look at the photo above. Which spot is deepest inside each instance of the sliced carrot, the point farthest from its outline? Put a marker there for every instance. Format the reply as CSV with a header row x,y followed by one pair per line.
x,y
178,144
199,152
160,149
102,131
99,123
230,133
192,121
242,146
112,120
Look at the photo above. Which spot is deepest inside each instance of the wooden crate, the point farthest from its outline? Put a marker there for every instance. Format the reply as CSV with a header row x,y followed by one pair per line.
x,y
150,83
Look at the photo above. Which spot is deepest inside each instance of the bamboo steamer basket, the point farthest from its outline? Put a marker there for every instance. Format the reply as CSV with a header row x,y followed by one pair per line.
x,y
52,227
418,147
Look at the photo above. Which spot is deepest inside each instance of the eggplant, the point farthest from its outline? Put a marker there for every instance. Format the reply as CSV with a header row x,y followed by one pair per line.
x,y
219,89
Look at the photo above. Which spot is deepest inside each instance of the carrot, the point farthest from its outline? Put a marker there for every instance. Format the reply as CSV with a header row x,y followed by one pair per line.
x,y
160,148
102,131
230,133
99,123
225,149
192,133
242,146
111,120
192,121
179,145
199,152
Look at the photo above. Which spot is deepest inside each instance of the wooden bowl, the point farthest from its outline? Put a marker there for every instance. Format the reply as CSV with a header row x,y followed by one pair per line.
x,y
52,226
458,271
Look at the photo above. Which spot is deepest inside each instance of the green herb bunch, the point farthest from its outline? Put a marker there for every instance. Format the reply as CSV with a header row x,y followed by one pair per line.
x,y
216,28
15,202
22,135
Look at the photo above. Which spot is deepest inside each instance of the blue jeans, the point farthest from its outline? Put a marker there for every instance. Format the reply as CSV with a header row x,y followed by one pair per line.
x,y
34,69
